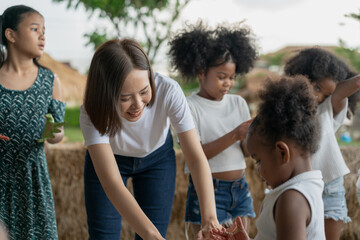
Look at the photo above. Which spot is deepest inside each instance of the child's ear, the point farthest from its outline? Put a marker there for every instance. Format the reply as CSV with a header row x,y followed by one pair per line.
x,y
282,151
201,75
9,34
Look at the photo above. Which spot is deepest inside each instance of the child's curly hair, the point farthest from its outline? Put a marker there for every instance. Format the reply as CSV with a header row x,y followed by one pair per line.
x,y
288,111
317,64
196,48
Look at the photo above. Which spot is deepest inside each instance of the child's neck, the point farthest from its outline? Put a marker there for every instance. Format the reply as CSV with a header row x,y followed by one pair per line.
x,y
301,165
18,63
18,76
19,66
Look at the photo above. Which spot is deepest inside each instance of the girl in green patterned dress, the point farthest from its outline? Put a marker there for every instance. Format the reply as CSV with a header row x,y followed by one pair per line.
x,y
28,91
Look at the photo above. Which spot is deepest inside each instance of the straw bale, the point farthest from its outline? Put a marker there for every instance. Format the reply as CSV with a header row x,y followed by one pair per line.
x,y
72,82
65,163
66,171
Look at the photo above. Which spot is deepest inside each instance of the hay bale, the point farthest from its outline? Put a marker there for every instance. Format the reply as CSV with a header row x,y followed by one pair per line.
x,y
72,82
66,172
66,168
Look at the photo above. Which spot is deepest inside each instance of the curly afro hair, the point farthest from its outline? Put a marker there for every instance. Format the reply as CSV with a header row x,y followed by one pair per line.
x,y
197,48
288,111
317,64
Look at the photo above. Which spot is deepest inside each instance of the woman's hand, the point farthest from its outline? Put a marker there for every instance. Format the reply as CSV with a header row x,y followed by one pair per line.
x,y
204,233
235,232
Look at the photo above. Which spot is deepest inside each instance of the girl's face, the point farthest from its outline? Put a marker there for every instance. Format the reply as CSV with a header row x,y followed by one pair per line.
x,y
29,38
217,81
323,89
267,160
135,94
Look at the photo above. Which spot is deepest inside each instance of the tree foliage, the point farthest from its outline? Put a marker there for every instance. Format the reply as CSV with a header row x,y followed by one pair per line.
x,y
149,21
276,59
351,54
355,16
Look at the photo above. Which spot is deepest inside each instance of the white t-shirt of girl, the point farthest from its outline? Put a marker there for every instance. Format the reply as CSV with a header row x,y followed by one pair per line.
x,y
311,186
328,158
214,119
140,138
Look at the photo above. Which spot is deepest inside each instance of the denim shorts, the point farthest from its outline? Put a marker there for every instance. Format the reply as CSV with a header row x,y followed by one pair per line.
x,y
232,199
334,201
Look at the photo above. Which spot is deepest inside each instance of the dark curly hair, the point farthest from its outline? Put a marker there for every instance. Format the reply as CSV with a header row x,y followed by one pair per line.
x,y
288,111
197,48
317,64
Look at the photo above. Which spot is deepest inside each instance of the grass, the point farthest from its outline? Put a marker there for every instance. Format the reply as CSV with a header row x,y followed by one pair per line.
x,y
353,143
73,134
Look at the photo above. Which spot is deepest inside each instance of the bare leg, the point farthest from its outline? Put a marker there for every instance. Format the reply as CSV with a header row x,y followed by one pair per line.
x,y
333,229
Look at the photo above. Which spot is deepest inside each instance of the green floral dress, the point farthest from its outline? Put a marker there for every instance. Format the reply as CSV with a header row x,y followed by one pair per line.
x,y
26,199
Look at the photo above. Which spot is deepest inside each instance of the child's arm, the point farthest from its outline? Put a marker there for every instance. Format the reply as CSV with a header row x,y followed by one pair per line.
x,y
108,173
292,215
57,94
343,90
201,175
215,147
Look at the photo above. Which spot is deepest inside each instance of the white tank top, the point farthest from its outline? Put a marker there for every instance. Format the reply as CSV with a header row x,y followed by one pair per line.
x,y
310,185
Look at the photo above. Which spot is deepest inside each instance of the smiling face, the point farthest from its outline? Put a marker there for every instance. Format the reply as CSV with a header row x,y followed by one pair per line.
x,y
323,89
29,38
217,81
135,94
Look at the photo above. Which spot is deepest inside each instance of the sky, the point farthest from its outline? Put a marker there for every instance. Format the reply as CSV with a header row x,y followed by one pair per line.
x,y
275,23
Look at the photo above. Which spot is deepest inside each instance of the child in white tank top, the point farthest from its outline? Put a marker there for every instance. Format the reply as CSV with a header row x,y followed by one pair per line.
x,y
282,138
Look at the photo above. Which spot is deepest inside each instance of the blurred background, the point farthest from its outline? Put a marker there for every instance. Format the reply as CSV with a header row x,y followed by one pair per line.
x,y
74,28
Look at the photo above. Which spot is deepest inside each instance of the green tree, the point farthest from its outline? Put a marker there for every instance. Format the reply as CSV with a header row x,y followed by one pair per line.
x,y
153,19
355,16
351,54
275,59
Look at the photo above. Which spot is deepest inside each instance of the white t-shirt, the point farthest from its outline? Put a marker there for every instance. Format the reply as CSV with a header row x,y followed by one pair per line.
x,y
140,138
310,185
328,158
214,119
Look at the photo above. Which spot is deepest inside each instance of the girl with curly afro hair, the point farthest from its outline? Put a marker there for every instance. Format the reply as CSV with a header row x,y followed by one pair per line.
x,y
329,77
216,57
281,139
